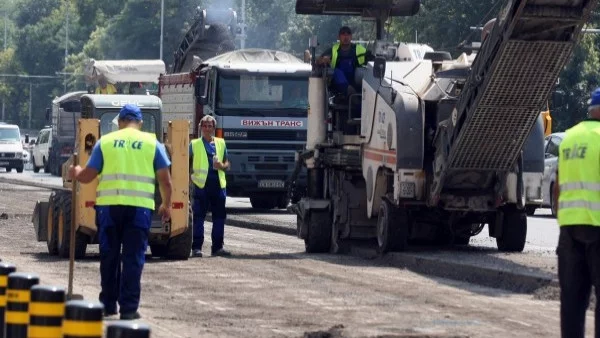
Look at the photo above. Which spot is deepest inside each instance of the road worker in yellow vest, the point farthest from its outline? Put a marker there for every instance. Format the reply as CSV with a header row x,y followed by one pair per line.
x,y
104,87
344,57
578,192
128,162
209,161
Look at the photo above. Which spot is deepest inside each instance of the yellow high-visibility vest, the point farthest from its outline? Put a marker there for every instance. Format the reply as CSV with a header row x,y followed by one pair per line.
x,y
200,162
579,175
128,176
360,54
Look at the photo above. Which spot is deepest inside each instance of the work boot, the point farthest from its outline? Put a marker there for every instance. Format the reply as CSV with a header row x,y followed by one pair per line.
x,y
221,252
196,253
108,313
130,316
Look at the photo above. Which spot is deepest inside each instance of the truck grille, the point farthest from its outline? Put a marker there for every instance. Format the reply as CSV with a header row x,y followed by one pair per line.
x,y
7,155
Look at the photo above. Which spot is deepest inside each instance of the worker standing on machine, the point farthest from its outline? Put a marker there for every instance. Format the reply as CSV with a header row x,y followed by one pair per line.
x,y
208,155
578,194
130,161
344,57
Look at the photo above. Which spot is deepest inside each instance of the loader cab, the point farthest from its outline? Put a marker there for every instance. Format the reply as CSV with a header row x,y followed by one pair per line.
x,y
106,109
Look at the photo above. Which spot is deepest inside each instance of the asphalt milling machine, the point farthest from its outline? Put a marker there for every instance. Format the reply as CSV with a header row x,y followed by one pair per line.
x,y
74,203
431,149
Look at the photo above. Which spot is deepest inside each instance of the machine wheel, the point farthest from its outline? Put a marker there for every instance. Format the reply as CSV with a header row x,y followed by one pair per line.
x,y
318,238
392,228
178,247
51,224
530,210
64,228
36,169
514,231
462,240
263,202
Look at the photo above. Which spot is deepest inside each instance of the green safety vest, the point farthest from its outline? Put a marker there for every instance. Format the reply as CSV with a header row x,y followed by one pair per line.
x,y
200,163
579,175
360,54
128,176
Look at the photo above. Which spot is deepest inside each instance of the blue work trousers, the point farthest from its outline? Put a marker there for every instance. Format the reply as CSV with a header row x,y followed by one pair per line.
x,y
340,81
211,196
126,228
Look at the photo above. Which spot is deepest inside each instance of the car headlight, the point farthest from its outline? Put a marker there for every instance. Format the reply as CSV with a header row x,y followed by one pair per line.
x,y
19,155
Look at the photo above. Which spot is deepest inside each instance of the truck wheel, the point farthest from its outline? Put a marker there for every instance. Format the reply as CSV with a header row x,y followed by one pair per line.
x,y
20,169
283,201
8,170
513,232
64,228
36,169
462,240
51,223
392,228
263,202
318,238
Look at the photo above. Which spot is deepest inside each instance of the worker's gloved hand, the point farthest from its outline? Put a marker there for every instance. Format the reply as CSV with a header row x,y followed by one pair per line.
x,y
165,212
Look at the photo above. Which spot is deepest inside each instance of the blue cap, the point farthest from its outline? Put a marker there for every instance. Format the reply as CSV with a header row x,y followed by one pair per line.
x,y
130,112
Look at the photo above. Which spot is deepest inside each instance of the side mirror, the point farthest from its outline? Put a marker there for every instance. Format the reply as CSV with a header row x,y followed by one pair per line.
x,y
201,90
27,138
379,67
47,114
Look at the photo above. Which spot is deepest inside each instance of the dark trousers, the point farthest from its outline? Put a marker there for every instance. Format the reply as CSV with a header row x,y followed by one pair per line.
x,y
126,228
578,269
212,197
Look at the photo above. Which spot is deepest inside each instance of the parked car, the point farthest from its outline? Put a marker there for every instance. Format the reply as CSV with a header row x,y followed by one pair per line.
x,y
552,143
39,154
11,148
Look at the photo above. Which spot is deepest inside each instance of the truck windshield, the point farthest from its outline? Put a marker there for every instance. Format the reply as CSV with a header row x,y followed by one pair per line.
x,y
108,122
257,91
10,134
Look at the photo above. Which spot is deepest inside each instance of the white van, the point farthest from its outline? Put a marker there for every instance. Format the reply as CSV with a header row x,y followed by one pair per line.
x,y
11,148
39,154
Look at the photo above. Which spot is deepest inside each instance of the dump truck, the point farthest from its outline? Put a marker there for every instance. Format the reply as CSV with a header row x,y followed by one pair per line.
x,y
431,149
53,219
259,98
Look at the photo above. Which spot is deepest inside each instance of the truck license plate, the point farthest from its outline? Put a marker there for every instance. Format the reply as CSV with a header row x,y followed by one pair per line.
x,y
271,184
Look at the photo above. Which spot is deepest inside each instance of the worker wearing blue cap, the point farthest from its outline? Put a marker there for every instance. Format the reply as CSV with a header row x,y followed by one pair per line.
x,y
578,192
130,161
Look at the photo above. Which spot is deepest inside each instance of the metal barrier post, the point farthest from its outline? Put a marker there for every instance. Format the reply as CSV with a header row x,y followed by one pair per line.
x,y
46,311
83,318
126,329
5,270
18,296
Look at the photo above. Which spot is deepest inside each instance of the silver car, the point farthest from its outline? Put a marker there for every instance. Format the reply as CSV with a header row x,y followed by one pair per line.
x,y
551,144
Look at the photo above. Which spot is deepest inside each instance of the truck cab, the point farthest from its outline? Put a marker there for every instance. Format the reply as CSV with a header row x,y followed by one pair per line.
x,y
260,101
